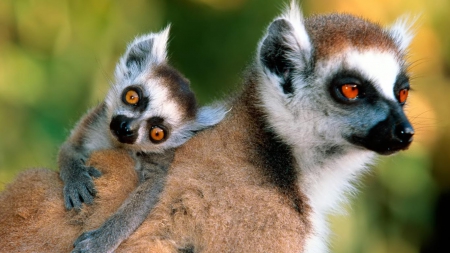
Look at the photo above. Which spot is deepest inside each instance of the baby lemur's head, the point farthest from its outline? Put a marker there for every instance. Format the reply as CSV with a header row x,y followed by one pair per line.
x,y
150,105
336,82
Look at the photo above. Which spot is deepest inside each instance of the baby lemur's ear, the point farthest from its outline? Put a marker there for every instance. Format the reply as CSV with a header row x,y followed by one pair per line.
x,y
145,51
207,116
286,47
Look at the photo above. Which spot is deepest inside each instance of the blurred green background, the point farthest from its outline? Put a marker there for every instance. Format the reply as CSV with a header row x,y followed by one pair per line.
x,y
57,59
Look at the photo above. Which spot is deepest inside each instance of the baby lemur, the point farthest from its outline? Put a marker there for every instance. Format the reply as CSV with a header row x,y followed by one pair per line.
x,y
149,111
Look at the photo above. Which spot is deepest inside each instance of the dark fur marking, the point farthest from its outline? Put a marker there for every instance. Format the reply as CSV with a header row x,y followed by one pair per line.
x,y
179,88
287,85
141,106
139,53
329,151
402,82
159,122
367,92
92,118
279,165
187,249
275,54
272,154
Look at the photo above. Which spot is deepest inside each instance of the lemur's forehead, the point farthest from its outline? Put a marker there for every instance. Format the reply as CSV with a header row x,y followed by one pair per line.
x,y
178,89
161,104
381,68
334,33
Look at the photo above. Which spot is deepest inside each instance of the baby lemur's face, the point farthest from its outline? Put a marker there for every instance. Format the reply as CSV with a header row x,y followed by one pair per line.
x,y
149,113
150,105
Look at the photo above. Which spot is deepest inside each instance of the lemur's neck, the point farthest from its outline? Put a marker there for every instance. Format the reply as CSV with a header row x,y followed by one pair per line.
x,y
266,149
294,145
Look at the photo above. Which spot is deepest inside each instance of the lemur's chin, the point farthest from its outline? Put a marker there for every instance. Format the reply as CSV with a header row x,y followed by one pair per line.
x,y
381,146
392,150
126,139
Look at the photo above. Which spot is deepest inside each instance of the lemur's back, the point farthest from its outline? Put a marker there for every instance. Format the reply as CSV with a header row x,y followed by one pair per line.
x,y
216,199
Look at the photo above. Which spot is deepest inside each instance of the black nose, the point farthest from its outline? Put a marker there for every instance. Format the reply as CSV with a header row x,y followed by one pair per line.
x,y
120,127
404,132
388,136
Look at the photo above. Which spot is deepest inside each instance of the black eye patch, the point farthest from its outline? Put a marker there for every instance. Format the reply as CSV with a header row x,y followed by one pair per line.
x,y
158,122
366,92
142,104
401,84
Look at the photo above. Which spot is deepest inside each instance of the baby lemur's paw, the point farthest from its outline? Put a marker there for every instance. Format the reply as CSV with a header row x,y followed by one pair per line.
x,y
80,188
93,241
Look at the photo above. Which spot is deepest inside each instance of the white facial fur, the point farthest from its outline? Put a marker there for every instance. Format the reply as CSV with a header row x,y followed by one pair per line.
x,y
381,67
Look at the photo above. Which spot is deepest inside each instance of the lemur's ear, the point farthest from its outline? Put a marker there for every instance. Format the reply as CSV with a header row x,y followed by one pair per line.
x,y
142,53
211,115
286,46
207,116
402,31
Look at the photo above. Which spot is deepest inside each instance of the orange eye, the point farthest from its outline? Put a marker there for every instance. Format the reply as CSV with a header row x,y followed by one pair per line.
x,y
157,134
132,97
350,91
403,95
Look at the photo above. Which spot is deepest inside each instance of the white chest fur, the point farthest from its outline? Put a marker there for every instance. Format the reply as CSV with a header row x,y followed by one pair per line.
x,y
326,188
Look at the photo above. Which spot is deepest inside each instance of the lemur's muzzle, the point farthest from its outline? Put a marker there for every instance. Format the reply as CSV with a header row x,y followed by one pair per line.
x,y
120,127
393,134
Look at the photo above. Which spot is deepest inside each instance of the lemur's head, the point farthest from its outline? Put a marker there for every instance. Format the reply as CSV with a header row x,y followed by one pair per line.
x,y
150,105
337,80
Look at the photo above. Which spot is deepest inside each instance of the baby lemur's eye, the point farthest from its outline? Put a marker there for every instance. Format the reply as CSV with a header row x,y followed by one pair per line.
x,y
403,95
157,134
132,97
350,91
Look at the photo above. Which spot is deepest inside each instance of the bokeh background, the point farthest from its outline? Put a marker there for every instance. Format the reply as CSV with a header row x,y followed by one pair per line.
x,y
57,59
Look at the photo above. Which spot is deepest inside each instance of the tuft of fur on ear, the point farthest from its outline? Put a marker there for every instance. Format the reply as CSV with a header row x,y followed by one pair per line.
x,y
286,46
142,53
402,31
294,15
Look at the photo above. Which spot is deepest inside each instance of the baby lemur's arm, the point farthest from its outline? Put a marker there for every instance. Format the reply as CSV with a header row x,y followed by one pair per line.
x,y
134,210
77,177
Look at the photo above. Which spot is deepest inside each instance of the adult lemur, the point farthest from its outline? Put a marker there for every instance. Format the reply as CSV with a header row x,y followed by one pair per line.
x,y
149,111
325,95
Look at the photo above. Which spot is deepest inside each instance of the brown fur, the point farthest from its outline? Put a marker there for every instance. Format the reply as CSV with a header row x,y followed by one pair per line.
x,y
89,119
217,199
179,89
333,33
32,213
